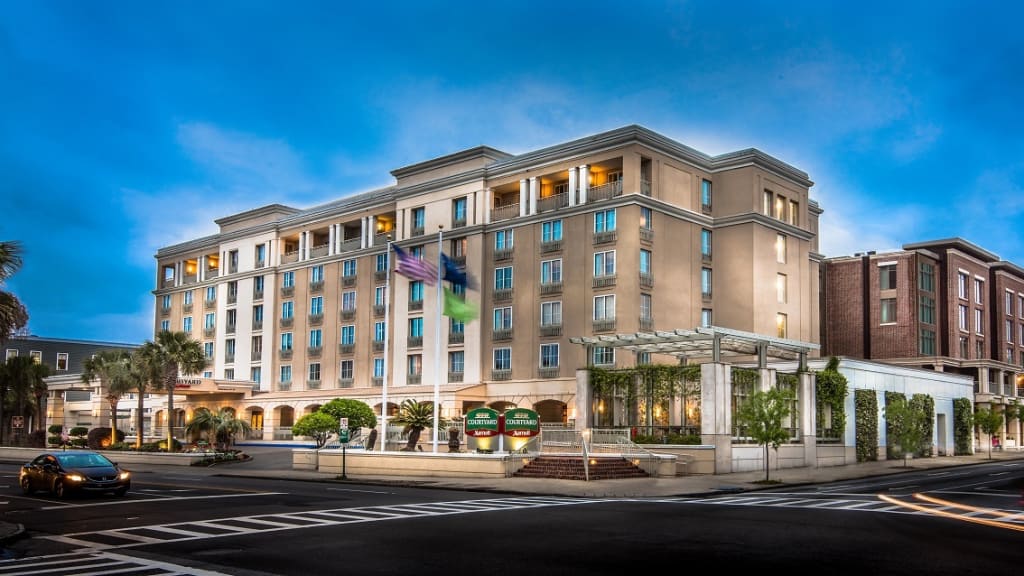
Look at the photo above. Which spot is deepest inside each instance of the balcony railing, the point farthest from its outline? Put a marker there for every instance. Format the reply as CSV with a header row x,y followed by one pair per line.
x,y
314,351
165,311
605,237
414,379
344,382
348,313
415,305
346,348
256,355
605,191
257,294
414,341
454,376
211,274
378,309
646,235
319,251
646,323
503,334
378,345
287,322
233,268
230,328
646,280
604,325
209,332
257,324
645,187
233,298
210,303
416,231
548,372
377,381
284,386
501,374
550,330
285,354
547,288
316,319
604,281
189,279
456,337
550,246
261,264
459,222
186,307
229,358
312,384
501,254
348,281
380,275
287,291
552,202
316,286
505,212
503,295
351,244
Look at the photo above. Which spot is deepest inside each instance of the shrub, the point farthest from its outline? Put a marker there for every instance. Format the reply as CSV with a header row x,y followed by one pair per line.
x,y
99,438
54,440
78,442
55,429
78,431
645,439
683,439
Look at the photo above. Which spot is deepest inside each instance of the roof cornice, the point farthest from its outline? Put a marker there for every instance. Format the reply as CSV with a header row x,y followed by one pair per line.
x,y
959,244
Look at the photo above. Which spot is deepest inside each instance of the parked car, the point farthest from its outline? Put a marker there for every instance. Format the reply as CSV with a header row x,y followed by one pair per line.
x,y
74,471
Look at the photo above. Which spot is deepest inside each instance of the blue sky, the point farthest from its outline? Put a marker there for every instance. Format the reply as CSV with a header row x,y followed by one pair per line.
x,y
128,126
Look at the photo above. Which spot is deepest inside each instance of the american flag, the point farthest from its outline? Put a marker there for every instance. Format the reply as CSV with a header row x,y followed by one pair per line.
x,y
413,268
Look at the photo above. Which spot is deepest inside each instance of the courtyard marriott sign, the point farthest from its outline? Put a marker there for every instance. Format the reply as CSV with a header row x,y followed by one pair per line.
x,y
521,423
482,423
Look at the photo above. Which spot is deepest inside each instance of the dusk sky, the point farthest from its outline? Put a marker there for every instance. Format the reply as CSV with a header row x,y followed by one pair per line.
x,y
129,126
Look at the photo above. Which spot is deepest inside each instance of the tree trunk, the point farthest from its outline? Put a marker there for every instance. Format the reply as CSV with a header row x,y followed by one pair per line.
x,y
170,379
113,422
139,421
766,466
414,438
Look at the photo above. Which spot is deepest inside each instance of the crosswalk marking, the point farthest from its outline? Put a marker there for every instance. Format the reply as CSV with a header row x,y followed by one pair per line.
x,y
96,563
181,531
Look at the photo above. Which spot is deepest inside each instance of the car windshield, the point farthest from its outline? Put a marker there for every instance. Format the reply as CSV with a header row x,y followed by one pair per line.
x,y
71,460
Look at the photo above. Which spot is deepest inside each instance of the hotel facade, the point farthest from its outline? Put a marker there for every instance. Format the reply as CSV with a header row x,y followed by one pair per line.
x,y
621,232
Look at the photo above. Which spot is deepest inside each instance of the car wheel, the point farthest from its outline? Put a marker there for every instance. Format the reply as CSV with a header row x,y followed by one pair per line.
x,y
120,492
26,486
58,489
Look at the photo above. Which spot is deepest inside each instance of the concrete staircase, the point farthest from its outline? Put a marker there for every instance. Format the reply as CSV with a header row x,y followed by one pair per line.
x,y
571,468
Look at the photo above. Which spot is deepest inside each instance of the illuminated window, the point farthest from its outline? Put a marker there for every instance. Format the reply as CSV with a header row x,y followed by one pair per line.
x,y
781,325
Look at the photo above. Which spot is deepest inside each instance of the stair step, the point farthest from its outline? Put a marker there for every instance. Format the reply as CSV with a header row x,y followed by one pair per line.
x,y
572,468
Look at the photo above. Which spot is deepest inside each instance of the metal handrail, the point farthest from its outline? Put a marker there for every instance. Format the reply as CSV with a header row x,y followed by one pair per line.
x,y
586,456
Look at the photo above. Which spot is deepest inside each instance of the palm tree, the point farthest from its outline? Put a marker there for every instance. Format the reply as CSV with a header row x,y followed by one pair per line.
x,y
146,372
222,425
415,417
111,368
12,312
179,354
21,376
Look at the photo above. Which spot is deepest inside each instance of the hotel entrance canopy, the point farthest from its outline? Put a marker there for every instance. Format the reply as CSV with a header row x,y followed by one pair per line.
x,y
706,343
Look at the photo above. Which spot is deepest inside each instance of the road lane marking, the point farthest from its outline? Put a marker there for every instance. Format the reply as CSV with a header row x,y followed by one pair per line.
x,y
138,500
97,563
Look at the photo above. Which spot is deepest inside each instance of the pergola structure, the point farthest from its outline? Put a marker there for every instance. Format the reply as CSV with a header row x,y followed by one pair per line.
x,y
711,342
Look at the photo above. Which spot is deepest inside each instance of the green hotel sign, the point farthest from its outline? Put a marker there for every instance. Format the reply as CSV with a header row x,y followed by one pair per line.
x,y
521,423
482,423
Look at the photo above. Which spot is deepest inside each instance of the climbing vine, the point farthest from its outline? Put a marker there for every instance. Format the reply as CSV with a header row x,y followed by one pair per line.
x,y
830,392
963,425
866,422
927,405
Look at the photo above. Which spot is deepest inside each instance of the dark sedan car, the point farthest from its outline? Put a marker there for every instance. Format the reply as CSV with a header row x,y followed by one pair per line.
x,y
74,471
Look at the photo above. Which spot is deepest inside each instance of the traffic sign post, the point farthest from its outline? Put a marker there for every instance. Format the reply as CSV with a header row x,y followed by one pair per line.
x,y
343,437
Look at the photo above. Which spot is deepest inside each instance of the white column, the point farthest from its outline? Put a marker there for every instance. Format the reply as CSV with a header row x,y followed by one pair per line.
x,y
522,197
178,280
488,203
201,273
572,186
371,235
303,241
534,192
332,239
584,183
364,232
471,201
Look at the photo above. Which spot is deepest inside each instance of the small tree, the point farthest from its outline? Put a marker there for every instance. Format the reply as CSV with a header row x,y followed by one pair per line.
x,y
763,414
907,424
359,413
989,422
415,417
222,426
317,425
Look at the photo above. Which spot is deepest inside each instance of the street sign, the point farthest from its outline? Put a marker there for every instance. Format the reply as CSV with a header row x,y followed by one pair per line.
x,y
343,435
344,422
18,421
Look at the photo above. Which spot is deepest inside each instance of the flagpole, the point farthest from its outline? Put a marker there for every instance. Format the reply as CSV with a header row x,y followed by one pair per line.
x,y
387,327
437,338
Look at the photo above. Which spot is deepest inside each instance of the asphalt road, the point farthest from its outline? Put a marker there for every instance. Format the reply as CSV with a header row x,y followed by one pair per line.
x,y
967,520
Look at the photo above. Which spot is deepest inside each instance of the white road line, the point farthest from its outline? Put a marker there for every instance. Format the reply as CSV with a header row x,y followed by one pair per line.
x,y
120,502
364,491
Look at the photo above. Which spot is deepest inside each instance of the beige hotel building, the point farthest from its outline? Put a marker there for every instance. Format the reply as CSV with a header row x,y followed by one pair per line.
x,y
620,232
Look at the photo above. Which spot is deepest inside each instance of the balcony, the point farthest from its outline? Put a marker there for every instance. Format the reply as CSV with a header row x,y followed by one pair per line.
x,y
165,311
505,212
344,382
319,251
257,324
287,291
645,187
316,319
287,322
189,279
502,254
210,303
414,341
415,305
229,358
646,235
501,374
350,244
380,275
549,330
459,260
454,377
312,384
316,287
646,323
500,335
261,264
416,231
379,309
186,308
233,298
378,345
604,281
456,337
548,372
605,191
284,354
605,237
646,280
284,386
459,222
377,381
346,348
209,332
550,246
549,288
414,379
553,202
256,356
233,268
348,281
314,351
348,313
604,325
230,328
257,294
503,295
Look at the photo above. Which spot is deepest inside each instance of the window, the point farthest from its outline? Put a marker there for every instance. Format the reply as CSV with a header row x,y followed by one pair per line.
x,y
1009,303
456,326
705,317
187,297
604,307
1009,331
503,278
286,374
62,360
229,347
503,318
416,252
604,221
551,313
458,247
165,325
645,261
705,283
346,369
257,346
379,331
705,195
794,213
926,277
979,291
379,296
1020,306
978,321
348,300
780,207
549,355
287,310
165,302
314,371
419,217
781,325
211,293
415,364
316,338
604,355
887,277
551,271
316,274
643,358
780,248
208,350
502,358
348,335
348,268
551,231
416,327
963,348
186,324
257,313
232,318
503,239
1009,355
979,351
261,254
256,374
888,311
316,305
11,353
604,263
378,367
781,288
457,362
646,218
705,244
416,291
233,261
963,318
459,210
962,280
257,284
286,341
927,311
646,308
36,356
232,290
381,263
288,279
